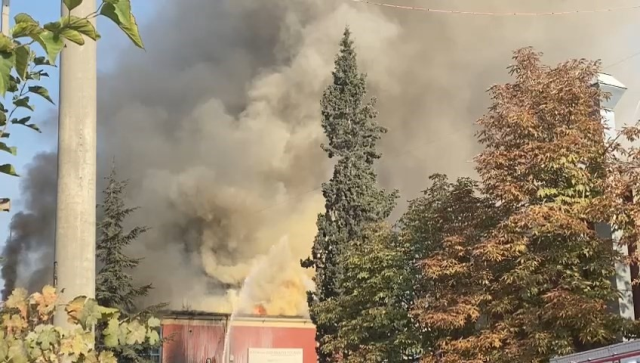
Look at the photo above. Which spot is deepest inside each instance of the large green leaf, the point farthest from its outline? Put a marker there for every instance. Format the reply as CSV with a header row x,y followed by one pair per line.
x,y
73,36
72,4
8,169
120,13
7,61
23,18
82,26
51,42
42,92
25,26
10,149
25,30
23,55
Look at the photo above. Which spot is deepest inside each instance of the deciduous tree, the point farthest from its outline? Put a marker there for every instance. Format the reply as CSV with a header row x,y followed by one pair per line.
x,y
543,275
442,227
373,323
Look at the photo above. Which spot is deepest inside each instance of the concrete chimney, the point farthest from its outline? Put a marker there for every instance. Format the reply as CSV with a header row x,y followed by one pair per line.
x,y
615,89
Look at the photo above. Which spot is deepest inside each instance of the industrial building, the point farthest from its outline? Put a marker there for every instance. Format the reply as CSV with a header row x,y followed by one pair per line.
x,y
627,352
200,337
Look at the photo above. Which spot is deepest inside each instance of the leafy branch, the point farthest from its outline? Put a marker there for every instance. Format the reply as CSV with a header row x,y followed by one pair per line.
x,y
21,68
27,335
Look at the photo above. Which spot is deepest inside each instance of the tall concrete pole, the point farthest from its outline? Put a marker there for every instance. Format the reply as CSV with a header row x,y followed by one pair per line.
x,y
622,279
75,244
5,17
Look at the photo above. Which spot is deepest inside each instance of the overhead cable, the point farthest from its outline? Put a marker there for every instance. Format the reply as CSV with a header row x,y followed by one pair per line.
x,y
487,13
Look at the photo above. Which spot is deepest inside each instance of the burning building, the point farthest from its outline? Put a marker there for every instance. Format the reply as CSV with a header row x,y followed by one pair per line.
x,y
201,337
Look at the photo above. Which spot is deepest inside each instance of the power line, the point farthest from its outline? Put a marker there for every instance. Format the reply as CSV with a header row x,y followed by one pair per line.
x,y
623,60
486,13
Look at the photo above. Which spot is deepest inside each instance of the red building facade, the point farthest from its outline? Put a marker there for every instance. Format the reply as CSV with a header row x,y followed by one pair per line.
x,y
200,338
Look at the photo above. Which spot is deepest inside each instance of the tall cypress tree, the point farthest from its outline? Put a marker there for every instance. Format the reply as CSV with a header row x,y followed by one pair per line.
x,y
114,283
353,199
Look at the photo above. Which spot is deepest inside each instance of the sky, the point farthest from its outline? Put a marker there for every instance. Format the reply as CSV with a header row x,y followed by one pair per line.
x,y
29,142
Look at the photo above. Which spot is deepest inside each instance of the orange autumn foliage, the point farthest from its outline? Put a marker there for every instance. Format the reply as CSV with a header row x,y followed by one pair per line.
x,y
525,272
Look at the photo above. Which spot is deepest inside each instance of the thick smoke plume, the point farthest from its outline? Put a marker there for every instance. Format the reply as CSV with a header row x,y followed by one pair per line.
x,y
217,127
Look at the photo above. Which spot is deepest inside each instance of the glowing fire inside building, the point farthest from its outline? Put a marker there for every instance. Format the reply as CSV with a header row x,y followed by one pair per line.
x,y
199,337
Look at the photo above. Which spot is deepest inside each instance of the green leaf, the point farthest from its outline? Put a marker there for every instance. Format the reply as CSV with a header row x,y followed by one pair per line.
x,y
25,30
10,149
153,337
153,322
53,26
82,26
47,337
13,84
23,54
6,44
73,36
24,122
120,13
137,333
111,333
5,136
41,61
23,18
105,311
23,102
72,4
7,60
52,43
17,353
8,169
42,92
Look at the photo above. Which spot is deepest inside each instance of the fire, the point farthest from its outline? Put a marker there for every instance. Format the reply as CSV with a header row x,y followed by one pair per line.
x,y
259,310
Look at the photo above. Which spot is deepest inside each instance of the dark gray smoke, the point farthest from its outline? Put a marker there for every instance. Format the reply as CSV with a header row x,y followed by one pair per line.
x,y
217,124
28,249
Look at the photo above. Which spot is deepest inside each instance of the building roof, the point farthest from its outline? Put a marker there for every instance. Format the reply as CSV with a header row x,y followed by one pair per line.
x,y
630,349
205,315
609,80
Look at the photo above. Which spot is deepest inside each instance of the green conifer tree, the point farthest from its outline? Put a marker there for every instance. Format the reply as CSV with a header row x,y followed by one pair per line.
x,y
352,196
114,284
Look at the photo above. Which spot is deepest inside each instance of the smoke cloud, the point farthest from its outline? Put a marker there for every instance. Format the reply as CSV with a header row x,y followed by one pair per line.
x,y
217,128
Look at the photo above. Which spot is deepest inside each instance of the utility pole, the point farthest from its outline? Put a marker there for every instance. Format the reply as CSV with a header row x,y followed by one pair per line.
x,y
75,244
5,203
5,17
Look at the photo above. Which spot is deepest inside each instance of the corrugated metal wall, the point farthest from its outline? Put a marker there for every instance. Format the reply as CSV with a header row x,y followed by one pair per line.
x,y
195,340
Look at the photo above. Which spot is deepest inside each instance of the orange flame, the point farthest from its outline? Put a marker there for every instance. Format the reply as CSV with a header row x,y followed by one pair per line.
x,y
259,310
